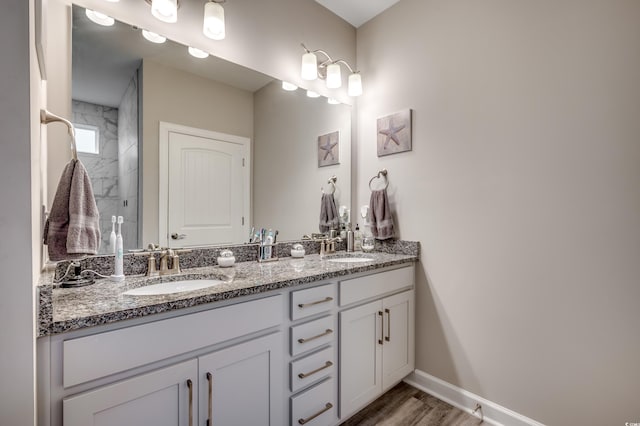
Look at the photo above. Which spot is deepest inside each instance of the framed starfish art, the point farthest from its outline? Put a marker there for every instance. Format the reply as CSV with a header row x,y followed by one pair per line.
x,y
329,149
394,133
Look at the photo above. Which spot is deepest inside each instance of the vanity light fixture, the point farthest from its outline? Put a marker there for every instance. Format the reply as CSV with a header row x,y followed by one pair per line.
x,y
332,101
312,94
99,18
289,87
329,70
153,37
197,53
164,10
213,23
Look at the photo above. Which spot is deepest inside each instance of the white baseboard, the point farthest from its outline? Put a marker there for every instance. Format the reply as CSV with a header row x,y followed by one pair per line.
x,y
494,414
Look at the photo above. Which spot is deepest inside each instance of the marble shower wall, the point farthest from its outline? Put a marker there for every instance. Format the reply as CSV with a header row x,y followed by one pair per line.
x,y
128,163
102,167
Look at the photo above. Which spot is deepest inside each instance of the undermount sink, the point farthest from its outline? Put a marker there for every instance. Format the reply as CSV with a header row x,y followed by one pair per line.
x,y
172,287
349,259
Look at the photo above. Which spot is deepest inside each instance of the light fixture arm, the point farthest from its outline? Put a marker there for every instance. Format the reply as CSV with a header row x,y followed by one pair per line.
x,y
329,60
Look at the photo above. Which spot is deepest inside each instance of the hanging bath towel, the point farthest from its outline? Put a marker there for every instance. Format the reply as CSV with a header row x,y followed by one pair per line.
x,y
380,218
73,226
328,213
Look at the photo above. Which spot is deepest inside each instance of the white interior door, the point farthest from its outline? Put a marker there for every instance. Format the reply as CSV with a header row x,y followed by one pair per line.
x,y
207,187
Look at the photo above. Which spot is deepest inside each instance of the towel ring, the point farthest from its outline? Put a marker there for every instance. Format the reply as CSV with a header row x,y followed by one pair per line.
x,y
47,117
381,174
332,181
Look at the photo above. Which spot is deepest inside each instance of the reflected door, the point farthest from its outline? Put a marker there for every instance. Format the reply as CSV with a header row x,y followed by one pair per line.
x,y
207,189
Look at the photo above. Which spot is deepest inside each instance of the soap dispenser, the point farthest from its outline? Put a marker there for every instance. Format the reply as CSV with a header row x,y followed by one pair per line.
x,y
350,239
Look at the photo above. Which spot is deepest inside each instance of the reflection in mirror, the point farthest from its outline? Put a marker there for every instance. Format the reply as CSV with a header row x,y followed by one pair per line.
x,y
125,86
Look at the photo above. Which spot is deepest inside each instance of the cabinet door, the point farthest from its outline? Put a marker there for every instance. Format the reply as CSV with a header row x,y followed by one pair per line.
x,y
164,397
398,349
361,343
242,385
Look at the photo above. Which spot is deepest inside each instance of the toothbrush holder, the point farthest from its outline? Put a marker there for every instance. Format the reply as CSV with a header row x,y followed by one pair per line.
x,y
267,252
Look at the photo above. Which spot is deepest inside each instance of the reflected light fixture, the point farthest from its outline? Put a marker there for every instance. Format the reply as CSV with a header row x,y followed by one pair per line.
x,y
197,53
153,37
332,101
289,87
329,70
164,10
312,94
213,23
99,18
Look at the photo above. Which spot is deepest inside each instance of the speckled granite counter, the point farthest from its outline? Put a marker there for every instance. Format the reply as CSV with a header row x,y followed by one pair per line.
x,y
62,309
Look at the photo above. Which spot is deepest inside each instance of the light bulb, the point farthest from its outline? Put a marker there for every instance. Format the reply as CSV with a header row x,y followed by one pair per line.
x,y
355,85
289,87
153,37
312,94
309,66
165,10
197,53
334,78
332,101
213,24
99,18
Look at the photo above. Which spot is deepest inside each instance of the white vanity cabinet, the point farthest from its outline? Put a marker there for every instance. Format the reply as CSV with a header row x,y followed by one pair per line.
x,y
376,337
164,398
222,366
237,385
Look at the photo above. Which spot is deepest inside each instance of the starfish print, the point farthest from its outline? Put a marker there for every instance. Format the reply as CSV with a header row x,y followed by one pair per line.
x,y
328,147
391,133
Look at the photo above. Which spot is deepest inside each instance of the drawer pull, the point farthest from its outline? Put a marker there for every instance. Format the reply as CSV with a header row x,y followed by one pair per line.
x,y
388,337
308,339
327,407
381,339
310,373
210,404
317,302
190,386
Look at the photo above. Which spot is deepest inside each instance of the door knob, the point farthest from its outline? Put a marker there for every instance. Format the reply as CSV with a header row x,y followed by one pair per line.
x,y
176,236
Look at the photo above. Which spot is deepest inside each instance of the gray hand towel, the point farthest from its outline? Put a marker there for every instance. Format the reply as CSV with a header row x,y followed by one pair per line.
x,y
380,218
73,226
328,213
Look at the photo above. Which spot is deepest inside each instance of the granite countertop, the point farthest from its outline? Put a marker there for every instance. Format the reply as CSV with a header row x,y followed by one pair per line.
x,y
67,309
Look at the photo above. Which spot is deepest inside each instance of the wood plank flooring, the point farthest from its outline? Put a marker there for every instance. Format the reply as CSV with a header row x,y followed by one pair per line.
x,y
404,405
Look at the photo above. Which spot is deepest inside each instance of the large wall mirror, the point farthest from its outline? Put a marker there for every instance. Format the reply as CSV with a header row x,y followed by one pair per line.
x,y
132,93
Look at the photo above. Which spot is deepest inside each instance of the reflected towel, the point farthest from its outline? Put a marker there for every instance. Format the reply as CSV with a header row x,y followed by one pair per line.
x,y
73,226
328,213
380,218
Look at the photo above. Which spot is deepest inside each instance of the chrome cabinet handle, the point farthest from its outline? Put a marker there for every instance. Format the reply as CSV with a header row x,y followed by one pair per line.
x,y
380,340
308,339
190,386
325,300
388,337
210,409
312,372
176,236
328,406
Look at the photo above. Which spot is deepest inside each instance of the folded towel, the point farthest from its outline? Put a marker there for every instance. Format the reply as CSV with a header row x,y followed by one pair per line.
x,y
328,213
380,218
73,226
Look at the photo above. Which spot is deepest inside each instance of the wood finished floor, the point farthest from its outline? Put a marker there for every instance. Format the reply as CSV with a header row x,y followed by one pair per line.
x,y
404,405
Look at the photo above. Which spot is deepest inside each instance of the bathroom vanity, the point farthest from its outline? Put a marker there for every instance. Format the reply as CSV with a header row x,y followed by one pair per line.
x,y
299,341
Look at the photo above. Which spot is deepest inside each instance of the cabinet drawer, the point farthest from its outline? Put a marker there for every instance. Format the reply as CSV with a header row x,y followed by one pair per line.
x,y
312,368
374,285
312,301
100,355
316,406
311,335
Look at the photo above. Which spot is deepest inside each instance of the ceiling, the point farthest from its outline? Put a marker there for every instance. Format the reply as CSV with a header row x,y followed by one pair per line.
x,y
357,12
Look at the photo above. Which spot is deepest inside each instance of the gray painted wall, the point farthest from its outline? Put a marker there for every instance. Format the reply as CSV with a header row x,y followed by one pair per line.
x,y
17,225
522,188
